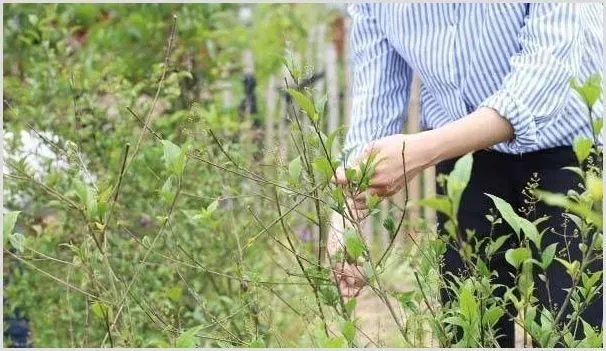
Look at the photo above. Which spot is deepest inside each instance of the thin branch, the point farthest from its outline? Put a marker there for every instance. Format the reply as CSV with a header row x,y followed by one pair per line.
x,y
397,231
148,118
59,280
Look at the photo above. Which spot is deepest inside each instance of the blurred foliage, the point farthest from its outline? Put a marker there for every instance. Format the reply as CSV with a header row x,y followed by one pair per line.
x,y
70,73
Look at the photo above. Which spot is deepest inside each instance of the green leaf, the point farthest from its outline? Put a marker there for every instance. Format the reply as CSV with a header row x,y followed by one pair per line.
x,y
372,201
454,320
350,306
389,224
332,137
507,212
101,310
516,257
595,186
406,299
348,328
468,303
353,244
548,254
17,241
171,153
438,203
294,170
451,229
571,267
339,197
212,207
530,231
80,190
32,18
591,337
188,338
576,170
257,344
492,316
495,245
320,105
531,313
323,166
582,148
589,281
166,190
91,202
175,293
8,222
87,196
483,268
146,241
290,65
350,175
305,103
590,90
598,123
335,342
329,294
458,180
561,200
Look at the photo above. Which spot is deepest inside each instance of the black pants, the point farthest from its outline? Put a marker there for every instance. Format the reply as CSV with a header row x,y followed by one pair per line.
x,y
505,176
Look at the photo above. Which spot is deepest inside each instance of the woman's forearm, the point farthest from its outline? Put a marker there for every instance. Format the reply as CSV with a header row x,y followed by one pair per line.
x,y
479,130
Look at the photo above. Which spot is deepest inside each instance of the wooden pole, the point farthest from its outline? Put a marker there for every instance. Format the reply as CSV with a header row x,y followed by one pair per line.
x,y
332,81
412,126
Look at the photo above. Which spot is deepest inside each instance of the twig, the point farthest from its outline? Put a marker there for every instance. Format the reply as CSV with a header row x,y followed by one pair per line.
x,y
147,253
57,279
115,199
258,180
395,234
311,283
142,122
148,118
428,304
575,283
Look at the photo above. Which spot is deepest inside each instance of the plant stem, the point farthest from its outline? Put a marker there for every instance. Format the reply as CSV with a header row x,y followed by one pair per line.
x,y
311,283
397,231
433,314
147,253
148,118
575,283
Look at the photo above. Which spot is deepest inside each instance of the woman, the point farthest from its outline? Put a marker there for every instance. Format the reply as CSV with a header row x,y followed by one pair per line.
x,y
495,81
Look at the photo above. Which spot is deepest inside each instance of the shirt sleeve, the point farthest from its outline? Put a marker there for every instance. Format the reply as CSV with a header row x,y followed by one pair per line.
x,y
381,83
538,84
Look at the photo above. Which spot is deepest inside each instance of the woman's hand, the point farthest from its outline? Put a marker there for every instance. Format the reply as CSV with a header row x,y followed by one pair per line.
x,y
399,158
480,129
350,278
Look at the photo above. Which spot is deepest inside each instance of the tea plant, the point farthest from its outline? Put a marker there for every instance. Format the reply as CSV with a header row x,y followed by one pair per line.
x,y
141,242
470,318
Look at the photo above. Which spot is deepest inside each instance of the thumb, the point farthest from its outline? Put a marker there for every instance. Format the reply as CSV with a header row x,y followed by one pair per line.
x,y
339,178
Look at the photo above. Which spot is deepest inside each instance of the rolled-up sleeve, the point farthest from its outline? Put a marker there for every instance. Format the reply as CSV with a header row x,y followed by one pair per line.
x,y
381,83
538,85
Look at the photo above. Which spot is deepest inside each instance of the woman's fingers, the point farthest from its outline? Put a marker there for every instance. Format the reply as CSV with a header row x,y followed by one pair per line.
x,y
358,209
354,275
344,288
350,279
339,177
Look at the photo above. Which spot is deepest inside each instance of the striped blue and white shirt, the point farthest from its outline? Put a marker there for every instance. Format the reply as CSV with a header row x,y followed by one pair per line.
x,y
515,58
